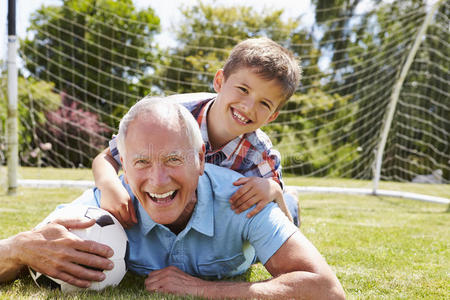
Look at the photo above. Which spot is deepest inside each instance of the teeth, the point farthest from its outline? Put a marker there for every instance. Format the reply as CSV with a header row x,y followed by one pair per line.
x,y
162,195
244,120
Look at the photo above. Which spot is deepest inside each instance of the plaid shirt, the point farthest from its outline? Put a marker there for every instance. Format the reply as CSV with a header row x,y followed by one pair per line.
x,y
250,154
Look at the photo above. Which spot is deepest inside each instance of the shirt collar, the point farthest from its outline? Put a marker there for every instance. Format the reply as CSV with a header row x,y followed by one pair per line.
x,y
202,219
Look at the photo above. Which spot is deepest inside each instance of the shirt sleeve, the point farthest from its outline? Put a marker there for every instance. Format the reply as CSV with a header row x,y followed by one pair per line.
x,y
114,150
270,167
268,231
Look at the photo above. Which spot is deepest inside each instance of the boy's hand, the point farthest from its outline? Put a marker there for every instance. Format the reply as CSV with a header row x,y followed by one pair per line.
x,y
254,190
117,201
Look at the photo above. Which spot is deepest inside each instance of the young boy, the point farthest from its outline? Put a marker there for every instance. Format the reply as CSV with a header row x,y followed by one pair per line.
x,y
257,79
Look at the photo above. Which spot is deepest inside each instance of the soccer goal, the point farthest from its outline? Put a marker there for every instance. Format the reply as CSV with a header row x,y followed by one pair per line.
x,y
373,106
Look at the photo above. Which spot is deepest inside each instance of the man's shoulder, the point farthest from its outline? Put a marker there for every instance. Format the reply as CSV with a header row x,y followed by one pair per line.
x,y
219,174
221,179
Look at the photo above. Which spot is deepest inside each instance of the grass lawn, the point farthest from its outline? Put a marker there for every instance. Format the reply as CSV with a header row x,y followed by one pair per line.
x,y
379,247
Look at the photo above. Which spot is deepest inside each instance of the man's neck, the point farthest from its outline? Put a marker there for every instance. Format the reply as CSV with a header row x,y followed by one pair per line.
x,y
181,223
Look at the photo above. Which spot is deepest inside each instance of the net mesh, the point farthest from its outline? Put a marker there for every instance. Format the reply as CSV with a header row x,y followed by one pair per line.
x,y
85,62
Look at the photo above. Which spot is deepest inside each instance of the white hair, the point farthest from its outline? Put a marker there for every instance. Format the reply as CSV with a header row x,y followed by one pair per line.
x,y
163,110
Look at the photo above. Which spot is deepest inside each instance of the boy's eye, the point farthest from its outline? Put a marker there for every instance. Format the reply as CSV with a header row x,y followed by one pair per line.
x,y
266,104
243,89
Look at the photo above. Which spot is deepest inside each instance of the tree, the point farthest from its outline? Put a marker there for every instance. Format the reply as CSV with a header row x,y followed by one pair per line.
x,y
35,99
94,51
205,36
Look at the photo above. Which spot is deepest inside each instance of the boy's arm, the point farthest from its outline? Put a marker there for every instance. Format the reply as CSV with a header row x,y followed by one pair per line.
x,y
114,197
259,191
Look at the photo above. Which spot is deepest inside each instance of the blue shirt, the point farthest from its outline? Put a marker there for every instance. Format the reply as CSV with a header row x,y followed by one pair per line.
x,y
216,242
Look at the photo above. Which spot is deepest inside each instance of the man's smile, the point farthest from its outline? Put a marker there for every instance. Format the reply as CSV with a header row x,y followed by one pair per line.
x,y
165,198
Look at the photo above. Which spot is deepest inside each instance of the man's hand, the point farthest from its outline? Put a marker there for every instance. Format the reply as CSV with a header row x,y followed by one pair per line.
x,y
174,281
254,190
55,251
117,201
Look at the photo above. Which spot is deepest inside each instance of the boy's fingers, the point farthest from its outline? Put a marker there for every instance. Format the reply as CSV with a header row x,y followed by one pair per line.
x,y
245,202
256,210
239,193
132,211
241,181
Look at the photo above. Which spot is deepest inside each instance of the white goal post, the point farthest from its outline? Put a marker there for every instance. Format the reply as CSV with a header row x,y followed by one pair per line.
x,y
373,106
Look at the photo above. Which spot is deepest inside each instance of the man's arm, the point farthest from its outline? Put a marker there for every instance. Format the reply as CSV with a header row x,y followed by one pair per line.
x,y
54,251
299,271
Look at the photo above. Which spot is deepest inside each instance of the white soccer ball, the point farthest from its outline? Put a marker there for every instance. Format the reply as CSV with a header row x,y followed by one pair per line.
x,y
107,230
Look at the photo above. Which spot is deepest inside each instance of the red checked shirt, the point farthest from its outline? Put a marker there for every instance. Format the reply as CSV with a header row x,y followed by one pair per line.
x,y
250,154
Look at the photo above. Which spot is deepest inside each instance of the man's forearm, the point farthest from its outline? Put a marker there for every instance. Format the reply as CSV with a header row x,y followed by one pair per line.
x,y
294,285
10,268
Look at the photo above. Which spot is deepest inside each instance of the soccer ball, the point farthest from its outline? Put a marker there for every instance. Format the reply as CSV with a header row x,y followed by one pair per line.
x,y
107,230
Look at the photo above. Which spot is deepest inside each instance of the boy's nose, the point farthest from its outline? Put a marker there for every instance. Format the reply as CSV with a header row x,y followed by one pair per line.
x,y
248,104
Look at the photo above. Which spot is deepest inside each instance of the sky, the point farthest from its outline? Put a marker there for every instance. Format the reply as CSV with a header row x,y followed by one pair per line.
x,y
167,10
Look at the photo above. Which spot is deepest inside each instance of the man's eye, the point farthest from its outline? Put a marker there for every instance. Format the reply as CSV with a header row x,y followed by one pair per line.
x,y
174,160
140,162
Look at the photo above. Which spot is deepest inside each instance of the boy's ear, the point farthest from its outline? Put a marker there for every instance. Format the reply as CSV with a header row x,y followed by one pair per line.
x,y
218,80
272,117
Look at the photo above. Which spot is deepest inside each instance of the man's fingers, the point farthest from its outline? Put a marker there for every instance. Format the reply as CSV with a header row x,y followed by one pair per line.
x,y
92,261
100,250
75,223
73,280
82,273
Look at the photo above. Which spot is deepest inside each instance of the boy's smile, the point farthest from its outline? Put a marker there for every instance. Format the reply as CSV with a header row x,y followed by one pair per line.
x,y
244,103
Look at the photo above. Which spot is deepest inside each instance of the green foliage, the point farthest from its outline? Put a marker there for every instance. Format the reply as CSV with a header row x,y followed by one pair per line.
x,y
313,134
206,35
35,99
101,47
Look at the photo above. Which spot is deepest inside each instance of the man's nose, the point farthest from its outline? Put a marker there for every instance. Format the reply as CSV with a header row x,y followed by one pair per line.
x,y
159,176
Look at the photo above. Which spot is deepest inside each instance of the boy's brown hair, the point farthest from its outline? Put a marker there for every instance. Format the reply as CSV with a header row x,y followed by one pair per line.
x,y
267,59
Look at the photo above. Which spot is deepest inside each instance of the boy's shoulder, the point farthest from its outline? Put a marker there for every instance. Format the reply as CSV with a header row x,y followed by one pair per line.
x,y
188,99
259,140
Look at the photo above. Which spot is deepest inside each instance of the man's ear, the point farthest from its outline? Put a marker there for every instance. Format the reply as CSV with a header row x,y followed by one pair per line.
x,y
218,80
272,117
201,159
124,170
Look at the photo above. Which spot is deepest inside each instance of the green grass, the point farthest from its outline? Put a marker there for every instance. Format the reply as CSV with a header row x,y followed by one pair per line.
x,y
379,247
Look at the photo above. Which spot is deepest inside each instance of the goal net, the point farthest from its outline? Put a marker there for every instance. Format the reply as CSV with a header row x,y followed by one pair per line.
x,y
85,62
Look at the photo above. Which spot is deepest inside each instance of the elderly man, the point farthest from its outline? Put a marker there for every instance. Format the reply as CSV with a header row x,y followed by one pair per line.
x,y
185,227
